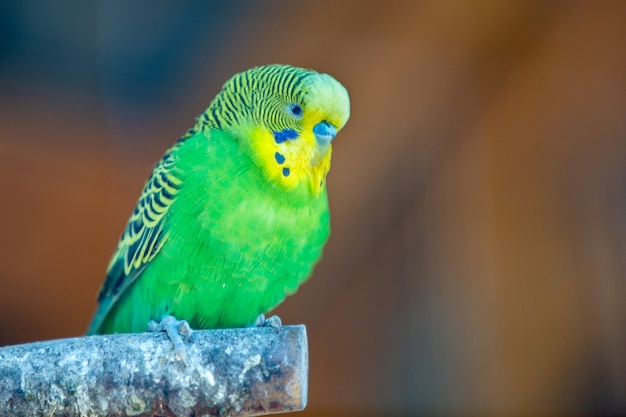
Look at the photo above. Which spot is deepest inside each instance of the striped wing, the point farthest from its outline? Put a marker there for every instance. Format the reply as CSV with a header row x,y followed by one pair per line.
x,y
143,237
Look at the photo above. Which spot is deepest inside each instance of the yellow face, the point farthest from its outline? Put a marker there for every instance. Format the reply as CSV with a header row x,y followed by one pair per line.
x,y
291,138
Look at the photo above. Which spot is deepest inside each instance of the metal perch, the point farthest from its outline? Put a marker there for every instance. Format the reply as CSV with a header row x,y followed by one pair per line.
x,y
231,372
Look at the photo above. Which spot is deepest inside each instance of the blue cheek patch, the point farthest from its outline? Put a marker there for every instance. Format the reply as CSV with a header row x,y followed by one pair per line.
x,y
285,135
286,172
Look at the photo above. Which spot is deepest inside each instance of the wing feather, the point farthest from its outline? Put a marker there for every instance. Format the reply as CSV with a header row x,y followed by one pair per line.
x,y
143,237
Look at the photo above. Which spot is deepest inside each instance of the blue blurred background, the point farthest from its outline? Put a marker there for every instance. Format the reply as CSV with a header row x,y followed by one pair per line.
x,y
477,264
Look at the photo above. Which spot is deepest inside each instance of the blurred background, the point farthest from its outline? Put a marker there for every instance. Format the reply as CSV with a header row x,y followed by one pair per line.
x,y
477,264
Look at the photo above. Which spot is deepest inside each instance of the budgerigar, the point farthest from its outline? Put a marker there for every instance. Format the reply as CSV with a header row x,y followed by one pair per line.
x,y
235,215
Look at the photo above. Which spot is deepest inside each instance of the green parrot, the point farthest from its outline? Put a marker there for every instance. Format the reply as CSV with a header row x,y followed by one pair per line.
x,y
235,215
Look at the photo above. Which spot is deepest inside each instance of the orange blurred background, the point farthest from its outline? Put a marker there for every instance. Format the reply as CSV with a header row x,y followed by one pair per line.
x,y
478,193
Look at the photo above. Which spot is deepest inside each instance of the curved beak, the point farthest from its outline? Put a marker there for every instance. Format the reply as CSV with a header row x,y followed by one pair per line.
x,y
324,134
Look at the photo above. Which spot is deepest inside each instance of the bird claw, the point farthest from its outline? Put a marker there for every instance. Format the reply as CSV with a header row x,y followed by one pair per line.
x,y
274,322
174,329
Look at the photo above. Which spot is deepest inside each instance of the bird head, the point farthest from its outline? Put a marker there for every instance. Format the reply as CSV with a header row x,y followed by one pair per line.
x,y
285,119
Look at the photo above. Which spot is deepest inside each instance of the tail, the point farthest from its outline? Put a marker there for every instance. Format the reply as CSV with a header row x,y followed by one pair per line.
x,y
99,318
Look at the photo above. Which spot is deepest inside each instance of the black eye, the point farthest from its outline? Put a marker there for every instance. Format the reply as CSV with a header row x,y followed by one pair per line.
x,y
295,110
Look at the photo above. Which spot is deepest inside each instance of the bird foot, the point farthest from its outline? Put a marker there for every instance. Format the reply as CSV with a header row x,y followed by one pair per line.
x,y
174,329
273,321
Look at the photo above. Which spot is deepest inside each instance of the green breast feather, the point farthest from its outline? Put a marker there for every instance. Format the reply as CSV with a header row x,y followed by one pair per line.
x,y
235,215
